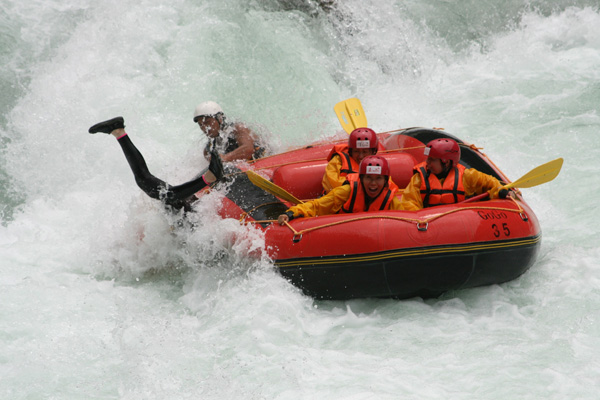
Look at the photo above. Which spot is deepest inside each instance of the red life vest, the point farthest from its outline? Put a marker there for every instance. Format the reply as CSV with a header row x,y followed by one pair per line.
x,y
391,184
349,166
434,193
357,202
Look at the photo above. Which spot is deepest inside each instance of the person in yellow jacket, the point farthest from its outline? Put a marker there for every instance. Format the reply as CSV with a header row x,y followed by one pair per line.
x,y
345,158
369,190
442,180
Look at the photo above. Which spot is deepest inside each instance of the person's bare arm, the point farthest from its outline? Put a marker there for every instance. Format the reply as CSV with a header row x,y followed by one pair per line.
x,y
245,139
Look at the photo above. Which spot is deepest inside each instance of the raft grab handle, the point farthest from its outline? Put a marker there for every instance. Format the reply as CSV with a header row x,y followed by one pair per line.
x,y
524,216
421,228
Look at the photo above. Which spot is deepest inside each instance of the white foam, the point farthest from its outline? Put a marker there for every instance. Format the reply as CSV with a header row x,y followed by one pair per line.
x,y
91,308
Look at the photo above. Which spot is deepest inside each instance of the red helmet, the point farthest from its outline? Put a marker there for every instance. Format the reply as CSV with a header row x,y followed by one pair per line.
x,y
444,149
374,165
363,138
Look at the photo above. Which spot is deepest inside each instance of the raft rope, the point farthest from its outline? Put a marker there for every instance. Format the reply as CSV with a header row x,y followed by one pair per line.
x,y
246,213
398,150
418,222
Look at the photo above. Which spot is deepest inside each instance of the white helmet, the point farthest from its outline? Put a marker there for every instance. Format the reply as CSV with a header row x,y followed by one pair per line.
x,y
207,109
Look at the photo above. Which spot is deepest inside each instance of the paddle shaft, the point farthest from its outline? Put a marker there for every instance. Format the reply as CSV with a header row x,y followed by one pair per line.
x,y
479,197
272,188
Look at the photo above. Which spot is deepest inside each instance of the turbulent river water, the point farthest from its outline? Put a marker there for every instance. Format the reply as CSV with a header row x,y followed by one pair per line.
x,y
101,300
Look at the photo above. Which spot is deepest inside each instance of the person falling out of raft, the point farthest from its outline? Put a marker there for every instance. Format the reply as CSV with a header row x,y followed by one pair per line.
x,y
369,190
442,180
174,197
234,141
345,158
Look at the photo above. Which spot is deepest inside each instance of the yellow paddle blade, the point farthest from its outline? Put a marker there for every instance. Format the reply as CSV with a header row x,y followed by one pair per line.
x,y
272,188
351,114
542,174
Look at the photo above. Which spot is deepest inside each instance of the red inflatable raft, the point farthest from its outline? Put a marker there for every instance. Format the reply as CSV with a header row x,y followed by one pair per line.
x,y
397,254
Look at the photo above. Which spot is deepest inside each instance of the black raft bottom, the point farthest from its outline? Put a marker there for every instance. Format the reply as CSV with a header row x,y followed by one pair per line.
x,y
426,272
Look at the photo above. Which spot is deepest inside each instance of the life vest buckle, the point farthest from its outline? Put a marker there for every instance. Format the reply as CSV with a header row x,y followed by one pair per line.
x,y
421,227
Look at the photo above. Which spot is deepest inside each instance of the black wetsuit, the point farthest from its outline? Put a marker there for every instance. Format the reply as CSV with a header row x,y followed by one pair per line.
x,y
253,200
176,197
226,143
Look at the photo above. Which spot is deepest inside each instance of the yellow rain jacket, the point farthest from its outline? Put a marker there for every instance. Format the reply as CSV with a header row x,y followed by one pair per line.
x,y
332,202
340,164
474,183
